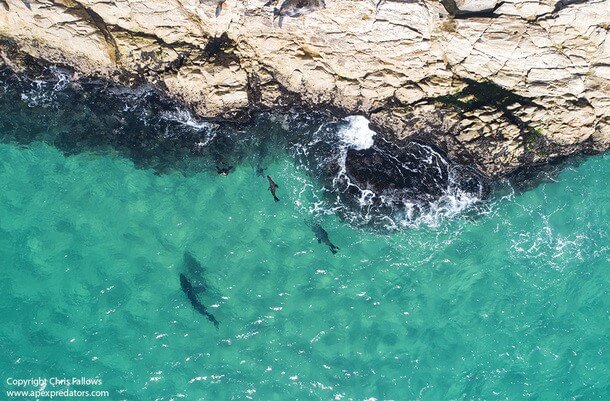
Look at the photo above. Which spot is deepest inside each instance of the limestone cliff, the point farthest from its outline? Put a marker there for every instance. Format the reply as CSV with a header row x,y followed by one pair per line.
x,y
500,84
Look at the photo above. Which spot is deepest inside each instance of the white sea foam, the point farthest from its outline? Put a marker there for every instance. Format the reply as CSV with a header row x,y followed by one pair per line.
x,y
43,92
392,210
185,117
357,134
435,213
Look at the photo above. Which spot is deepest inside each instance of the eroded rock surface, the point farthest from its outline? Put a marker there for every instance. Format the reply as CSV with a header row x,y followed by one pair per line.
x,y
520,85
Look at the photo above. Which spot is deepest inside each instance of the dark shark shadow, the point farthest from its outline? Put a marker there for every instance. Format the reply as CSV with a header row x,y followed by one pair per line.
x,y
195,286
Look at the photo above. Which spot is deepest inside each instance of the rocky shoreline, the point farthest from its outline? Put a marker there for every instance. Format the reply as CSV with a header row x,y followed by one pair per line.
x,y
498,85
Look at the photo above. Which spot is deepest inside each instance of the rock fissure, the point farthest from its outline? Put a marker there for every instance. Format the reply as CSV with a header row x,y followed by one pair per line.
x,y
87,14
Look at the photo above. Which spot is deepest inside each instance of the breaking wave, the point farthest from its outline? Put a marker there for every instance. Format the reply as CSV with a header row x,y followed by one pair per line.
x,y
386,184
357,134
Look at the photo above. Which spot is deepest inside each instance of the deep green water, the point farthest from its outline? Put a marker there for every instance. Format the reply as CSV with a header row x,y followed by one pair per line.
x,y
509,304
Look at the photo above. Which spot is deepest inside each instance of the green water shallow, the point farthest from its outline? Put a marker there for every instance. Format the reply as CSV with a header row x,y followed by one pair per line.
x,y
510,304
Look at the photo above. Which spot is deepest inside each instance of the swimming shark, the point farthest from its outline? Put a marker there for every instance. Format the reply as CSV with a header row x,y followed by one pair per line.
x,y
191,294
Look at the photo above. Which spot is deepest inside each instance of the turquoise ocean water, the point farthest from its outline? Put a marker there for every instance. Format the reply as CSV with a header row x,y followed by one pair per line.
x,y
509,303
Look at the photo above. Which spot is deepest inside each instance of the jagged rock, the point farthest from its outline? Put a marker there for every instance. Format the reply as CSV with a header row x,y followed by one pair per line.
x,y
409,65
408,172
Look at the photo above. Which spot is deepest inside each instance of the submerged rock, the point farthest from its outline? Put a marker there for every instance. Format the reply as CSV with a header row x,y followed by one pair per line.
x,y
409,172
371,180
